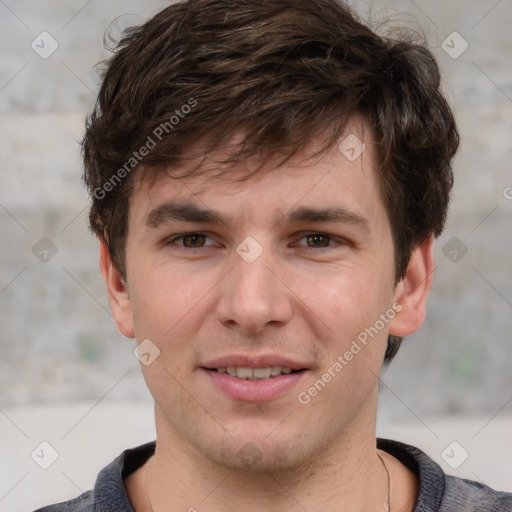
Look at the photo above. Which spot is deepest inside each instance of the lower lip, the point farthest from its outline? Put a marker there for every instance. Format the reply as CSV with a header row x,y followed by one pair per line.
x,y
254,390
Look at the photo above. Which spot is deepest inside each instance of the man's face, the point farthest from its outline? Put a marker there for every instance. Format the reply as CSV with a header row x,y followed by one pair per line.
x,y
300,266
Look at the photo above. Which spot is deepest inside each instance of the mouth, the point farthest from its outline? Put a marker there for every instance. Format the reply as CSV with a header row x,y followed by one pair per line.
x,y
254,379
247,373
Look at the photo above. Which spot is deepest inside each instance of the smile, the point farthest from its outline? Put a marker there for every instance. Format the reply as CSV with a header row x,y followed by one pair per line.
x,y
244,384
243,372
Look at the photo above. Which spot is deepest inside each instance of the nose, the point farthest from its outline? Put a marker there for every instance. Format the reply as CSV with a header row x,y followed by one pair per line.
x,y
254,296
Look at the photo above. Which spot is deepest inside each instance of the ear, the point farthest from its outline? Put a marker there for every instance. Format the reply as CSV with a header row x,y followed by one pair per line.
x,y
413,289
117,292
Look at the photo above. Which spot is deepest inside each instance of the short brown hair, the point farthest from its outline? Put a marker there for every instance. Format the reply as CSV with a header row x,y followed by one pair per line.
x,y
281,72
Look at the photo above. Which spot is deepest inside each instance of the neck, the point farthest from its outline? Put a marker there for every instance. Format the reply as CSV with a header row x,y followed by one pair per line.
x,y
349,472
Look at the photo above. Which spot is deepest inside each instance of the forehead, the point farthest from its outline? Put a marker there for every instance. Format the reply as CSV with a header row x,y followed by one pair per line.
x,y
345,173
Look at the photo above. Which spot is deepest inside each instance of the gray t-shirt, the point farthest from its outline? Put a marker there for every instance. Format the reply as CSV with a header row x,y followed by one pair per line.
x,y
438,492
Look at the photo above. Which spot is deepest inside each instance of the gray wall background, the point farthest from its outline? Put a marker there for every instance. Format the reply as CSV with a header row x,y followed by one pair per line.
x,y
57,339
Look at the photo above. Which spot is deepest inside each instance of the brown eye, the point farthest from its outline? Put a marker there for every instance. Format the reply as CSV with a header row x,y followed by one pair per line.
x,y
317,240
190,241
193,240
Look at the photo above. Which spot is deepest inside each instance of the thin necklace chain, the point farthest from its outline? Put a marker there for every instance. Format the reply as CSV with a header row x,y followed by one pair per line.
x,y
388,482
146,480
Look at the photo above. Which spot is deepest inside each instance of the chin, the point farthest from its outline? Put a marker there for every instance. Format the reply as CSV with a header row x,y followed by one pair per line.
x,y
254,454
254,460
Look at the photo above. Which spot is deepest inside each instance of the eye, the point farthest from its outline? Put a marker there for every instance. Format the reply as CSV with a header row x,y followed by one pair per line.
x,y
200,240
317,240
191,240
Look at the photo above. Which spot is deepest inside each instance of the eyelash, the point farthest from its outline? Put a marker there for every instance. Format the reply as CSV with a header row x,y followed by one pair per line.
x,y
312,233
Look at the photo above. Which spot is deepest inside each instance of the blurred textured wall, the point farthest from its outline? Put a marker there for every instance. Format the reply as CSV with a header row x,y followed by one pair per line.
x,y
57,338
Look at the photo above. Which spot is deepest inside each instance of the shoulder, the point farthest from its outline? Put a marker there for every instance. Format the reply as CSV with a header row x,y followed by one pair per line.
x,y
445,493
109,491
83,503
467,495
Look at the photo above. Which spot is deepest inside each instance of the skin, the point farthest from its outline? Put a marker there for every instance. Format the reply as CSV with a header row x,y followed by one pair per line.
x,y
306,298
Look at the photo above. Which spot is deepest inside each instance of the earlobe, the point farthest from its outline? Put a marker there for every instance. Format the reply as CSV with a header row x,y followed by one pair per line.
x,y
117,292
412,291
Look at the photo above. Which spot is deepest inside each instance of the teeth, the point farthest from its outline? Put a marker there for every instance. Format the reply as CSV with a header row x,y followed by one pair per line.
x,y
243,372
261,373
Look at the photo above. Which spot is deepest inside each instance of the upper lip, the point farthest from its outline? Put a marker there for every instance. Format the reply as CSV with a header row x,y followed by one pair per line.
x,y
253,361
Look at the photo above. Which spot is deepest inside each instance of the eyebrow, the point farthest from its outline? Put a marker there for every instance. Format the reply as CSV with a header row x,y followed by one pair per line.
x,y
189,212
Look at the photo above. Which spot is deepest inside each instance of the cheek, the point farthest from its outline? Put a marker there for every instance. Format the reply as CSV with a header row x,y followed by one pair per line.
x,y
166,300
354,349
344,301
